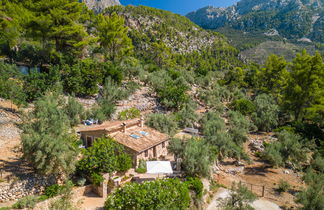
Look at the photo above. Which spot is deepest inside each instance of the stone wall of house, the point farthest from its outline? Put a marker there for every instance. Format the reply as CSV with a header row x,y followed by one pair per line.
x,y
29,186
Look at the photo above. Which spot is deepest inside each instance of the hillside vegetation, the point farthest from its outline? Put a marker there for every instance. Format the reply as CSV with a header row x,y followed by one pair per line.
x,y
196,77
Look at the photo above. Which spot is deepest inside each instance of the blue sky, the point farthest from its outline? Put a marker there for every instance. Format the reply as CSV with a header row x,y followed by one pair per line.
x,y
179,6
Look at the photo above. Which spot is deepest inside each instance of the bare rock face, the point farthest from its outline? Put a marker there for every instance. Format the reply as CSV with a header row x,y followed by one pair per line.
x,y
99,5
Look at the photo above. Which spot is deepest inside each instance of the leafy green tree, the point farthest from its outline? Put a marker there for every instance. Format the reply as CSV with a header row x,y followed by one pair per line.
x,y
162,123
273,78
244,106
266,112
235,77
60,24
305,89
74,110
239,198
159,194
195,154
217,137
105,156
128,114
187,116
312,198
239,127
47,144
287,151
113,38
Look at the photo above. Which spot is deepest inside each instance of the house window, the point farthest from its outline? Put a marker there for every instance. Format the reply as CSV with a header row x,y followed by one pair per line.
x,y
146,153
163,144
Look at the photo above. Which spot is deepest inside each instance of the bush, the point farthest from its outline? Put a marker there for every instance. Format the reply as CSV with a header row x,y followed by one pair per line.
x,y
283,186
196,185
26,202
105,156
96,179
128,114
162,123
159,194
141,167
81,181
53,190
245,106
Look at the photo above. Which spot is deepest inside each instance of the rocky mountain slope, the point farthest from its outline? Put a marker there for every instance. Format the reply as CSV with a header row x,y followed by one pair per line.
x,y
292,19
149,26
100,5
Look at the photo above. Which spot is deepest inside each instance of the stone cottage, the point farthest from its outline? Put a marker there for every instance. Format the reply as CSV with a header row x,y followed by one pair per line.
x,y
140,141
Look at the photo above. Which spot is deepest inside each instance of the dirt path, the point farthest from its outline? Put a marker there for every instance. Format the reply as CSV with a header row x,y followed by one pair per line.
x,y
260,204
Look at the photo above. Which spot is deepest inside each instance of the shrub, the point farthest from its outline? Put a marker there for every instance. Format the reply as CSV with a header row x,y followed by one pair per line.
x,y
128,114
283,186
81,181
26,202
162,123
141,167
96,179
159,194
244,106
105,156
196,185
53,190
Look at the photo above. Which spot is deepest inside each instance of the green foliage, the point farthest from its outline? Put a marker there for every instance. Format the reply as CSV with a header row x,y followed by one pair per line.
x,y
65,200
187,116
216,136
105,156
163,123
47,144
304,95
312,198
239,198
159,194
238,127
288,150
96,179
53,190
266,112
141,167
283,186
74,110
196,185
128,114
244,106
26,202
196,156
273,78
113,39
11,84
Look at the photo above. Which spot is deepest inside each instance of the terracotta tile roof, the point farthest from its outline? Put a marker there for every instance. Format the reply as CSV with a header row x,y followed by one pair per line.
x,y
144,142
108,125
145,137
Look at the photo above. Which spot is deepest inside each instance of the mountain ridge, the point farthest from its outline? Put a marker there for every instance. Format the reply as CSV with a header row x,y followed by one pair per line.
x,y
293,19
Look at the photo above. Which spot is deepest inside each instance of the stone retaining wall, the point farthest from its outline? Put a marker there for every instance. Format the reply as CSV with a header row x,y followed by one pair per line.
x,y
20,189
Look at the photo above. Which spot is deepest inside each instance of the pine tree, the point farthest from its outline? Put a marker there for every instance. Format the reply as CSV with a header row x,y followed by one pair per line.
x,y
113,38
305,90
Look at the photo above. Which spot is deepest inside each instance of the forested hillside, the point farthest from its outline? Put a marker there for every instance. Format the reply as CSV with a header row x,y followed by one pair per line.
x,y
199,80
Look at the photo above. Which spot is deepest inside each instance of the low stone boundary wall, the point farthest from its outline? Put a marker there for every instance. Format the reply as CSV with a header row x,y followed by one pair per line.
x,y
22,188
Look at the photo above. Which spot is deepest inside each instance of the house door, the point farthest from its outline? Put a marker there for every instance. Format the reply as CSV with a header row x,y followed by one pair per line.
x,y
154,152
89,141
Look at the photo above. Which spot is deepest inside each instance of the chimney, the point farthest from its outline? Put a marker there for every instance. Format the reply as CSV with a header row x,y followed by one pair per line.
x,y
142,122
124,127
